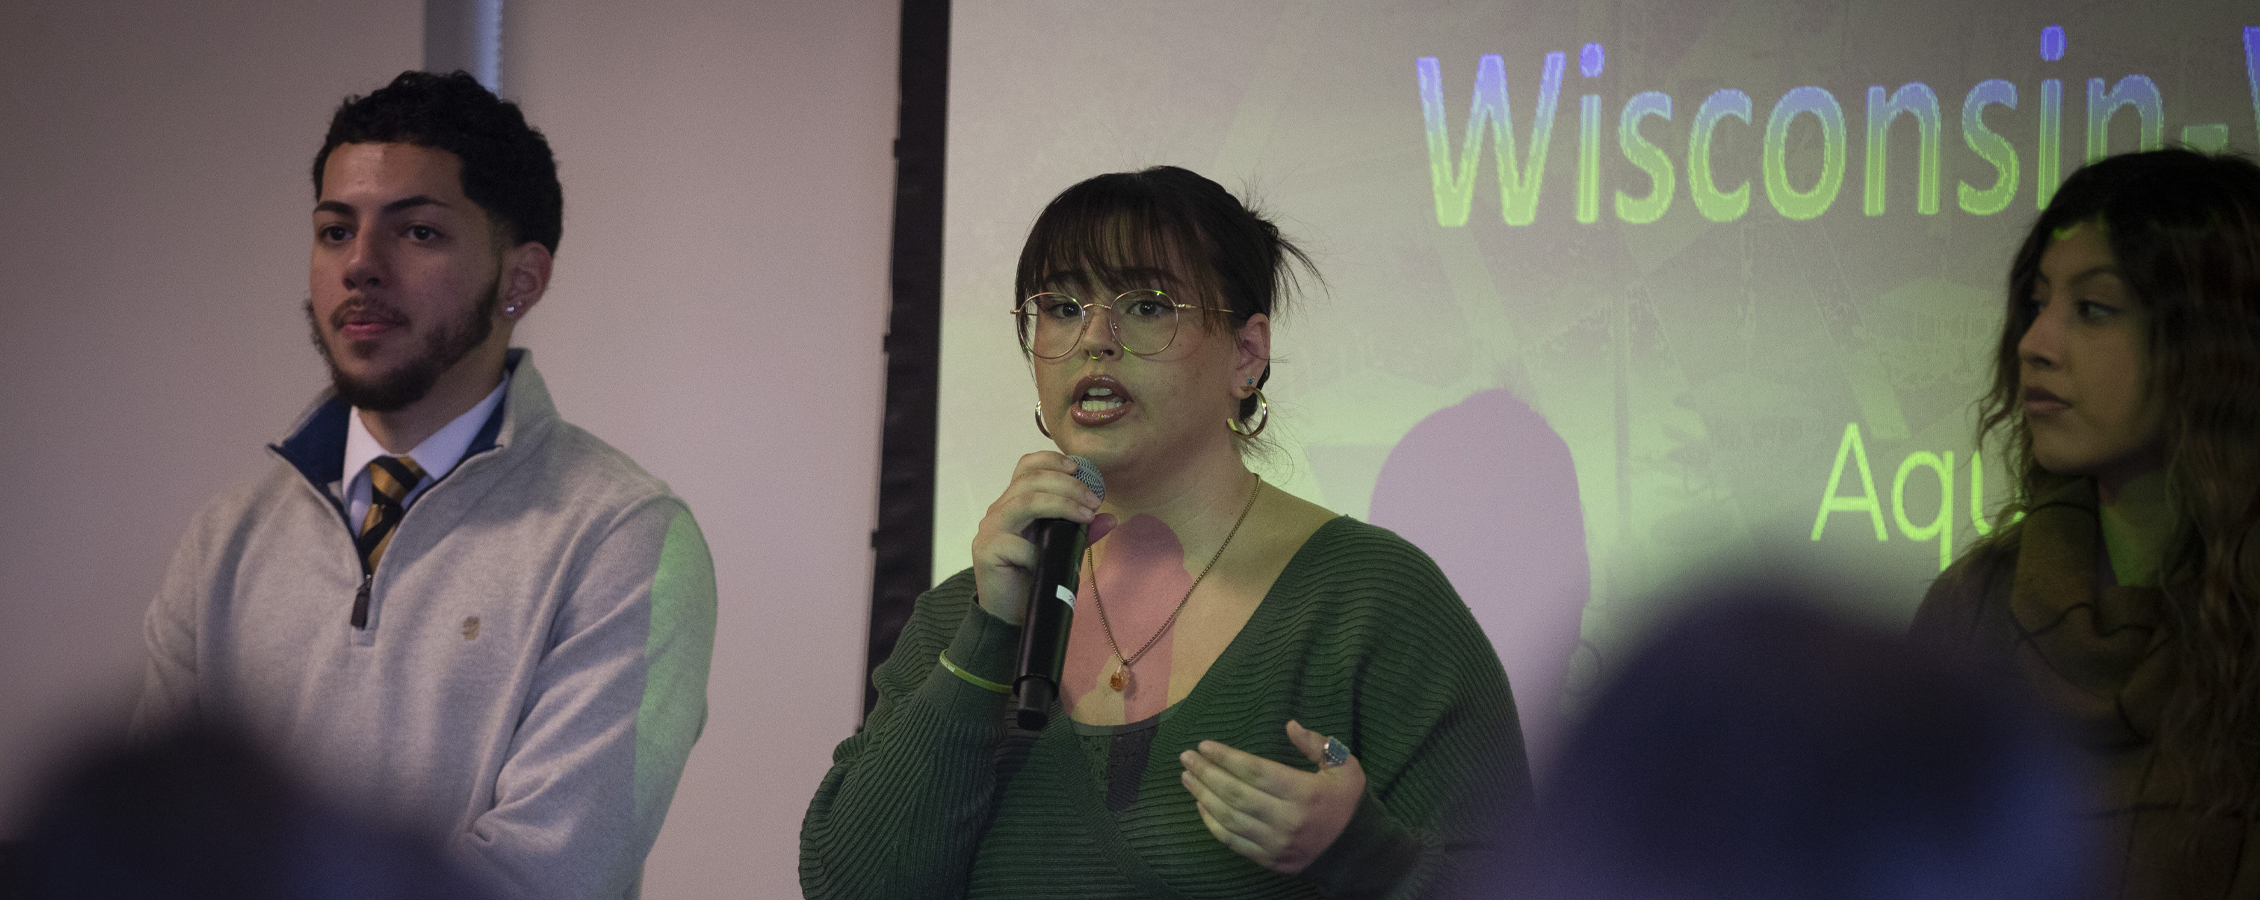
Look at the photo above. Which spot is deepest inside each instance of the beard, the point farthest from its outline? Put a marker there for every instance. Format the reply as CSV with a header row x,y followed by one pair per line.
x,y
445,346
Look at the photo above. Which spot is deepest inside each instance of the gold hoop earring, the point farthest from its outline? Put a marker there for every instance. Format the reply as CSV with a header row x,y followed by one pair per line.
x,y
1262,418
1040,419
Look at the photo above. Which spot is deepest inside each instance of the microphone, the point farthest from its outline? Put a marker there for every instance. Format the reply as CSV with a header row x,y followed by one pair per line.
x,y
1051,608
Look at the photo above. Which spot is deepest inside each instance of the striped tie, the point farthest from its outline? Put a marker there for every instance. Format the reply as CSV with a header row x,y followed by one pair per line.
x,y
390,480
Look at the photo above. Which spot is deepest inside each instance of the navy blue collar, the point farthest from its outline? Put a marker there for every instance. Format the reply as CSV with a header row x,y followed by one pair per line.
x,y
317,449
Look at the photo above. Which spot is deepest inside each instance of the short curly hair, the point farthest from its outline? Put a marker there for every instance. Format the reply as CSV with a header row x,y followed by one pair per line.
x,y
508,169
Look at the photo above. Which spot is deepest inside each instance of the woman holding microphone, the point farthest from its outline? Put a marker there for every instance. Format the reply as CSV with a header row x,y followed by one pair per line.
x,y
1259,698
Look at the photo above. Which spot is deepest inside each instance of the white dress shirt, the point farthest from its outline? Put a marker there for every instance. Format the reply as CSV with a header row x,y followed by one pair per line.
x,y
436,455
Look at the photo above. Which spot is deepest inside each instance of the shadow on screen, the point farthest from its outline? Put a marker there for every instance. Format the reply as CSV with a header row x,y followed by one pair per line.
x,y
1761,748
203,812
1487,488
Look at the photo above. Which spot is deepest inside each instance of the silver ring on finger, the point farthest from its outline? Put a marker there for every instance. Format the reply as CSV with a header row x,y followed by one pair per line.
x,y
1336,754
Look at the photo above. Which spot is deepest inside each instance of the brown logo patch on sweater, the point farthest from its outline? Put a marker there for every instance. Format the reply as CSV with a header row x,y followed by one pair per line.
x,y
471,628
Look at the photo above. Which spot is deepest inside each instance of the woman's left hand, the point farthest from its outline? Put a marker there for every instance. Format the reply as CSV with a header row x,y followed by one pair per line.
x,y
1279,816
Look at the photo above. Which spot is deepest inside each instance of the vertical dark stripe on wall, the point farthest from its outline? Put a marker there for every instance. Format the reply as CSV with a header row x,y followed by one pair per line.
x,y
903,561
466,35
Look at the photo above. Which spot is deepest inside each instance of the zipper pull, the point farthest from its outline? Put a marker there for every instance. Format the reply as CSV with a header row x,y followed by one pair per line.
x,y
361,602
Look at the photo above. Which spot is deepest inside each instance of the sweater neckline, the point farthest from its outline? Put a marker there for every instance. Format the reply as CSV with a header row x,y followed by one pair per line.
x,y
1245,645
1090,795
1258,621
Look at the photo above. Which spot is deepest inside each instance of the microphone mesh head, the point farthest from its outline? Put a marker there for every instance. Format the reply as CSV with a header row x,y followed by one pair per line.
x,y
1089,475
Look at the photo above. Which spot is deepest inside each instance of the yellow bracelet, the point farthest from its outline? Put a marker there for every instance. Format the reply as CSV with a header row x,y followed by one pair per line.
x,y
970,678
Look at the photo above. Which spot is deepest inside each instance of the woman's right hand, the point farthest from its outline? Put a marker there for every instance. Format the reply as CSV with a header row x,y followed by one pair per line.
x,y
1043,486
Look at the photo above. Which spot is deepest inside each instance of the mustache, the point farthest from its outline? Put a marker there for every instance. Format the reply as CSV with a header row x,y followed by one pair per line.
x,y
365,310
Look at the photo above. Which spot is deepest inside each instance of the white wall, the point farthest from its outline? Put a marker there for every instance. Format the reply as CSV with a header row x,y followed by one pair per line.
x,y
720,294
717,313
154,200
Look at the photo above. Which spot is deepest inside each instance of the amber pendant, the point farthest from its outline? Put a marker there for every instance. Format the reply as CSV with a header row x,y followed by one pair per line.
x,y
1120,680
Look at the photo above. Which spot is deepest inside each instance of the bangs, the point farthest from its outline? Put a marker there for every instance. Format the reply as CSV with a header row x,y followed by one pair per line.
x,y
1111,234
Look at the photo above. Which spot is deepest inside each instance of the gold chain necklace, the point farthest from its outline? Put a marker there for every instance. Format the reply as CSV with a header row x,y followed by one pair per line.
x,y
1120,680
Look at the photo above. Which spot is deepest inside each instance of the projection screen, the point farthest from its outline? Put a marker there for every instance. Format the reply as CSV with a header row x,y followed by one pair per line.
x,y
1616,293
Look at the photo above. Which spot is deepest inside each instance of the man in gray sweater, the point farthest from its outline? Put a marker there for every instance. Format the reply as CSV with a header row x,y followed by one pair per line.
x,y
444,603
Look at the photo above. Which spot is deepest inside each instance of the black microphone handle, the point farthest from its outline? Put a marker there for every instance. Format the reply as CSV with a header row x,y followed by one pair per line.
x,y
1043,632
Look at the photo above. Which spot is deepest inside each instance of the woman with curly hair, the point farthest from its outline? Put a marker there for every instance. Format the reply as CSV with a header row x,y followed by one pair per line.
x,y
2123,583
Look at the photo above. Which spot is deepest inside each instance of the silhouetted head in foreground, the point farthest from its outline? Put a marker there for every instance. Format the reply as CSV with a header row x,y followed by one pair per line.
x,y
204,813
1763,749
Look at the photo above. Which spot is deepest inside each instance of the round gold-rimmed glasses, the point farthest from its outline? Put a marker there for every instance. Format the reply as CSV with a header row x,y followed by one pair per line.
x,y
1144,322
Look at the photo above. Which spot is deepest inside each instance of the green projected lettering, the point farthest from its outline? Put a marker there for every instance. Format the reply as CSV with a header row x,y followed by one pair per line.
x,y
1940,528
1589,140
1911,99
1589,159
1520,166
1648,157
2252,70
2051,137
2212,138
1518,183
1822,105
1715,206
1866,502
2051,120
2137,91
1989,146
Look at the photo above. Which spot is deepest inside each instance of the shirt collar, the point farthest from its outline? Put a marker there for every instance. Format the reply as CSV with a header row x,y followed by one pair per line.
x,y
437,454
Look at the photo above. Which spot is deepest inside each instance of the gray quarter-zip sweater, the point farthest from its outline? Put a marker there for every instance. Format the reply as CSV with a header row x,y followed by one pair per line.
x,y
532,669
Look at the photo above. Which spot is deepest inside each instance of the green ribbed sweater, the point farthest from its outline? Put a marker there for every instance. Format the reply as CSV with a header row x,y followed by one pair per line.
x,y
1361,638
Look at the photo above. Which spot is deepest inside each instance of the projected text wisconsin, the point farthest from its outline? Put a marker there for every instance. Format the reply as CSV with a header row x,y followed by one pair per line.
x,y
1520,148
